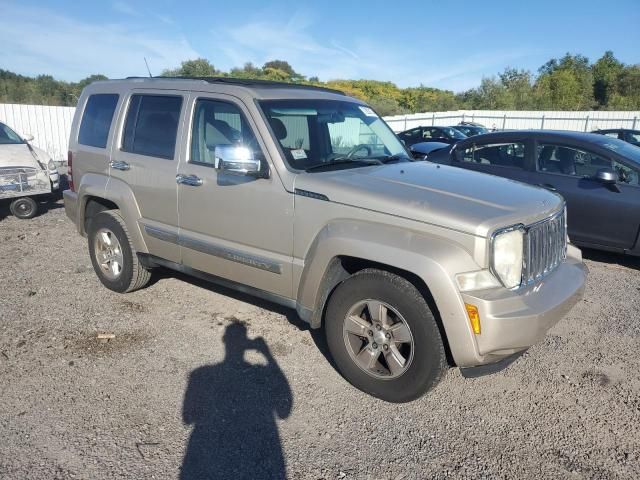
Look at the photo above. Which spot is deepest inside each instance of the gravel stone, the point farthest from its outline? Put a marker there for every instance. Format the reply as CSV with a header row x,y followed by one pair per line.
x,y
161,393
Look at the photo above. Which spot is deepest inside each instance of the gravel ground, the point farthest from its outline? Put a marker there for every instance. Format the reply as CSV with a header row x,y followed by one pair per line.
x,y
161,398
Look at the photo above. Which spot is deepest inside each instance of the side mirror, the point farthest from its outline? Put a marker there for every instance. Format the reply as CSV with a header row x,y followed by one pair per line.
x,y
606,176
27,137
237,160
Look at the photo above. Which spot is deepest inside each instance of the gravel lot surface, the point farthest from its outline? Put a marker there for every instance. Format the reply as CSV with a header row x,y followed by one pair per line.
x,y
161,398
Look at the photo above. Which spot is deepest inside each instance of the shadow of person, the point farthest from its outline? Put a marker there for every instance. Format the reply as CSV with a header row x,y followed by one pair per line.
x,y
232,406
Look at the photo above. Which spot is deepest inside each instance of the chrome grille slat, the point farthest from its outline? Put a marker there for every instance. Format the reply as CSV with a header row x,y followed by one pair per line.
x,y
546,247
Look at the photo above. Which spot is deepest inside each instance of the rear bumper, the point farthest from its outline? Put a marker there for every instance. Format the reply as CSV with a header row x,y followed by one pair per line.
x,y
71,206
512,321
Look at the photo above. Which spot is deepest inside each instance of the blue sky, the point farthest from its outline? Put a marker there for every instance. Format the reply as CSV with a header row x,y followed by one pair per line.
x,y
441,44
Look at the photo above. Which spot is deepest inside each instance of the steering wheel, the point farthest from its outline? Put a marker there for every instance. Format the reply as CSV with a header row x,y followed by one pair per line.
x,y
357,148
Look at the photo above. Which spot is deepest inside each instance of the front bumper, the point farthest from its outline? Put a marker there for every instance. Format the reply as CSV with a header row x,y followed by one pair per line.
x,y
512,321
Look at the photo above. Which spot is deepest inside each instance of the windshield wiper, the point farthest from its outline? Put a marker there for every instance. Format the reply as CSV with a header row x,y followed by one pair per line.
x,y
394,158
344,161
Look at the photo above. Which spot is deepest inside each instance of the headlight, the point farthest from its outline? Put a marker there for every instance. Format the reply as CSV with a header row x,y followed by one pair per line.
x,y
470,281
51,165
507,255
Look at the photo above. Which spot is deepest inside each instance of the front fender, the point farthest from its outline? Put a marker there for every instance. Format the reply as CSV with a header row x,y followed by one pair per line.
x,y
436,260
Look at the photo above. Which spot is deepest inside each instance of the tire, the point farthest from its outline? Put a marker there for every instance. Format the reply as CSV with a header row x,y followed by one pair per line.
x,y
424,355
114,259
24,208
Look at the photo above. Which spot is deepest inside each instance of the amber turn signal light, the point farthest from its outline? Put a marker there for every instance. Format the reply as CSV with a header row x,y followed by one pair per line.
x,y
474,317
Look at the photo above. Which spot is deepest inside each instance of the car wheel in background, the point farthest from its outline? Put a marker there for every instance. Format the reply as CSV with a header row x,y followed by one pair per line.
x,y
24,207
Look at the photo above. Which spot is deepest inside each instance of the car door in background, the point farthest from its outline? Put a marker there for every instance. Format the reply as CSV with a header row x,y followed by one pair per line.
x,y
145,163
504,159
598,214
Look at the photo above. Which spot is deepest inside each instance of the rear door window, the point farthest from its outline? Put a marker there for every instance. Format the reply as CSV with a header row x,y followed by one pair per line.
x,y
503,155
96,119
151,126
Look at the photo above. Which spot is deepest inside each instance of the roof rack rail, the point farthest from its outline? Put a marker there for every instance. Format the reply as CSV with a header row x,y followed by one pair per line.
x,y
247,82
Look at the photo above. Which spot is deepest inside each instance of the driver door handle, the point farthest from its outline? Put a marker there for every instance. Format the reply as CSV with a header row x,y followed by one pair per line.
x,y
548,186
191,180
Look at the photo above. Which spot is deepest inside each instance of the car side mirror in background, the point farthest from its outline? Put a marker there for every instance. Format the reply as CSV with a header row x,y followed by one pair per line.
x,y
606,176
238,160
27,137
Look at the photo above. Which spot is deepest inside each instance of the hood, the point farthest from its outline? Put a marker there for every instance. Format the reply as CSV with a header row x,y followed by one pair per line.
x,y
18,155
450,197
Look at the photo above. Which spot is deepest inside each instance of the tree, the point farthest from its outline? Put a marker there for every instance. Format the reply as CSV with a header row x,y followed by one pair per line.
x,y
200,67
606,72
280,65
566,84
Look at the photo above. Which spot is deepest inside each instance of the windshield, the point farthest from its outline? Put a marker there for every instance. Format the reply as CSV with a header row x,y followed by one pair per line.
x,y
621,147
453,133
313,133
8,136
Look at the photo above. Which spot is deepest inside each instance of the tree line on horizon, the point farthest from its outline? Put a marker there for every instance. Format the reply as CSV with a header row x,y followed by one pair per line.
x,y
571,82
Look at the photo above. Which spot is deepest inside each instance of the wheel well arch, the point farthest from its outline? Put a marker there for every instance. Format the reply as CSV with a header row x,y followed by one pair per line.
x,y
342,267
94,205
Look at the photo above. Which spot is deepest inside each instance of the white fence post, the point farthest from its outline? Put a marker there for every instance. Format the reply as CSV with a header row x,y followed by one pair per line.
x,y
635,119
586,124
542,123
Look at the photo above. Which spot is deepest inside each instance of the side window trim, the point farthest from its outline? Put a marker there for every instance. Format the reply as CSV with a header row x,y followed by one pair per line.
x,y
125,116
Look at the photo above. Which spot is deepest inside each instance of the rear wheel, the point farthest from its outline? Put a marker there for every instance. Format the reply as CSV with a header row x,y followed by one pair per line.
x,y
114,259
383,336
24,207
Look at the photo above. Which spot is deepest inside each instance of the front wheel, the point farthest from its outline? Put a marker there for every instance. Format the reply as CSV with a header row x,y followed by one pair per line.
x,y
114,259
383,336
24,208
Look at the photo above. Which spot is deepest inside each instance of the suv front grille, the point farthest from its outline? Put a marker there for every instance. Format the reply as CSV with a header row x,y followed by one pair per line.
x,y
545,247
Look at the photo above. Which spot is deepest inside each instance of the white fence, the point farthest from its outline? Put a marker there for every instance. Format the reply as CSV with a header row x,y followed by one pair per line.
x,y
51,126
514,120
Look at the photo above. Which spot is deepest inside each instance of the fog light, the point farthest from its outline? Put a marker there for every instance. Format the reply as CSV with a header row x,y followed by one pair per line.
x,y
474,317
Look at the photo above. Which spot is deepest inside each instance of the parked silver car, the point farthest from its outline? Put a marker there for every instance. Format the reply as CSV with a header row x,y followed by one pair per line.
x,y
27,173
305,197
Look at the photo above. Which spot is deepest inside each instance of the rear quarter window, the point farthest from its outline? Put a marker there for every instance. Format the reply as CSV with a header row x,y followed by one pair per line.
x,y
96,119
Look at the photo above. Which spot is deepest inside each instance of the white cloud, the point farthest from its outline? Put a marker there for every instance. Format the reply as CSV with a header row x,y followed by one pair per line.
x,y
373,57
125,8
39,40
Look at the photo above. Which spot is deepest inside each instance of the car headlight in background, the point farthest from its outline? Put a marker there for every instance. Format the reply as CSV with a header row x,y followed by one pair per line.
x,y
51,165
507,255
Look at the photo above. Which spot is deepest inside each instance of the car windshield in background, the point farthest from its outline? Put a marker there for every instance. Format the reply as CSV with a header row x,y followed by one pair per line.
x,y
315,134
470,130
453,133
8,136
621,147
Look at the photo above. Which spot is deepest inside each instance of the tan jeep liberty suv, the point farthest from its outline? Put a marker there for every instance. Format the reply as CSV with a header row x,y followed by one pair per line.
x,y
305,197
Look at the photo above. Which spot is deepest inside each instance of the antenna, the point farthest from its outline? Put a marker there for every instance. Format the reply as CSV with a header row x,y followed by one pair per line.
x,y
147,64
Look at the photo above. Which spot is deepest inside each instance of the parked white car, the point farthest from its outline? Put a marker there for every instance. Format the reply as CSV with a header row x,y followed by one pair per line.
x,y
25,172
